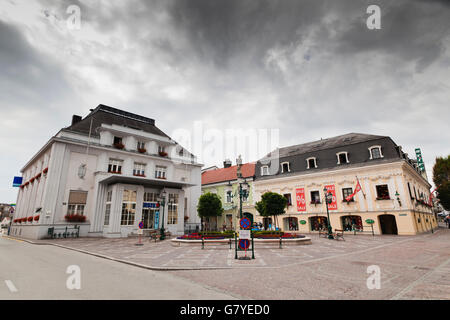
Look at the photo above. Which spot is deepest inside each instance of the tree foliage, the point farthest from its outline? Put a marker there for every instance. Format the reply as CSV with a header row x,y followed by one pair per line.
x,y
209,205
441,178
271,204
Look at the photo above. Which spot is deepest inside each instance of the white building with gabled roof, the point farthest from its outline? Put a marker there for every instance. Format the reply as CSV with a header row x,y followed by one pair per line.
x,y
104,174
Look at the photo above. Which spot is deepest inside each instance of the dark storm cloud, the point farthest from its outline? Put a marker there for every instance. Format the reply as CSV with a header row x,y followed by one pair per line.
x,y
219,30
411,31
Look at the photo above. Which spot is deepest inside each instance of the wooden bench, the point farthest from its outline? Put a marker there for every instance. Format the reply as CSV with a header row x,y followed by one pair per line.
x,y
338,234
156,235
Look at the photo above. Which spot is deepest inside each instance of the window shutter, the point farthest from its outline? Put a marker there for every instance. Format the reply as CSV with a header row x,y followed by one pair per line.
x,y
78,197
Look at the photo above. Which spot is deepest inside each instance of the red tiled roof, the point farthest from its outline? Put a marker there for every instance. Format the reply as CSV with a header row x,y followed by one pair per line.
x,y
227,174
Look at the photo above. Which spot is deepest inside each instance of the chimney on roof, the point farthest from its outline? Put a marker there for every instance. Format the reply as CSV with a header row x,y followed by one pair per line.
x,y
76,119
227,163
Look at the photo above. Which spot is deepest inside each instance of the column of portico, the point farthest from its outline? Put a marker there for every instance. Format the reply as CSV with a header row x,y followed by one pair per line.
x,y
116,209
98,216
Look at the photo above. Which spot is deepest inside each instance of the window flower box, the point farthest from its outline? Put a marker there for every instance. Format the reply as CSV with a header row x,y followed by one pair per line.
x,y
38,176
32,180
384,198
116,172
315,202
75,218
139,175
119,145
163,153
162,178
142,150
45,170
26,184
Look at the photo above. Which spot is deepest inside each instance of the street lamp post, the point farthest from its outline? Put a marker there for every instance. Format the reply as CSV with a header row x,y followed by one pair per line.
x,y
162,200
328,200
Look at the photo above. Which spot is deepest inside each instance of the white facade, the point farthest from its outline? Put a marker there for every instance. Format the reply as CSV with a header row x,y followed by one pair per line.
x,y
73,165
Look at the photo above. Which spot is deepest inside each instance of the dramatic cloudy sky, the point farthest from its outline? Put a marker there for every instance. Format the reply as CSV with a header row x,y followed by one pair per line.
x,y
311,69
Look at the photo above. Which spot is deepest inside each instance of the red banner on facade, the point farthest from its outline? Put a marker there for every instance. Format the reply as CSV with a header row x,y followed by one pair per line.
x,y
333,204
301,201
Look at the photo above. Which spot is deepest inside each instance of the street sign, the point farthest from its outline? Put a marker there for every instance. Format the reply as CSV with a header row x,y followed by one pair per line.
x,y
370,221
244,234
420,159
141,225
302,222
17,182
156,219
244,244
245,223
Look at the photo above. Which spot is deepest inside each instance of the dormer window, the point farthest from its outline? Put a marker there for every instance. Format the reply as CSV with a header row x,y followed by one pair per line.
x,y
375,152
285,167
265,170
342,157
311,163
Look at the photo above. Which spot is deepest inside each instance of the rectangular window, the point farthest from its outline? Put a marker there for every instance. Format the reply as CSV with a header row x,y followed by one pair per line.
x,y
383,192
343,158
315,197
409,189
264,170
150,197
77,202
346,192
128,208
172,213
285,167
139,169
229,196
107,213
160,172
288,198
108,207
161,149
115,166
140,145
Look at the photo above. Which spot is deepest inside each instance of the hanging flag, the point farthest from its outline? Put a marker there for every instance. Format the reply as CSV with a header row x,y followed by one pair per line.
x,y
357,189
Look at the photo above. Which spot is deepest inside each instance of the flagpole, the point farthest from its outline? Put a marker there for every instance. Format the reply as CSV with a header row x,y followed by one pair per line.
x,y
361,187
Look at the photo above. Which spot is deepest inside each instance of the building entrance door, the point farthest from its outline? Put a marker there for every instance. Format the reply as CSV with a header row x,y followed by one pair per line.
x,y
148,216
388,224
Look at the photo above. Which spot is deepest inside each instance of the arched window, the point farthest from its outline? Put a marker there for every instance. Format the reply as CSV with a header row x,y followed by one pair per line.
x,y
311,163
265,170
285,167
342,157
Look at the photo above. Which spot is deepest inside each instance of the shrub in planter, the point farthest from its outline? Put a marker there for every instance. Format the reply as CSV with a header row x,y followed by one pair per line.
x,y
36,218
142,150
163,154
24,219
45,170
75,218
30,219
119,145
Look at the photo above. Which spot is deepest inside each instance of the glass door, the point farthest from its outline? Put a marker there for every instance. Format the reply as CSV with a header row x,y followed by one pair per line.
x,y
148,216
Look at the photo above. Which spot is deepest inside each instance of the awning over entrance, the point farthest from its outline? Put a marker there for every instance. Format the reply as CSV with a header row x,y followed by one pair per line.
x,y
146,182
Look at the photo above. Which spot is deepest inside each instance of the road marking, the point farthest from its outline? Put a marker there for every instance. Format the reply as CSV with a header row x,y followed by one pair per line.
x,y
11,286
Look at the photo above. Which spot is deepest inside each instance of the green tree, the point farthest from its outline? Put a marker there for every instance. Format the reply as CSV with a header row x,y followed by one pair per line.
x,y
209,206
441,179
271,204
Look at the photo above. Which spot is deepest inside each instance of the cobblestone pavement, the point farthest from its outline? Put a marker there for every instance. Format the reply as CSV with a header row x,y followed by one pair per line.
x,y
412,267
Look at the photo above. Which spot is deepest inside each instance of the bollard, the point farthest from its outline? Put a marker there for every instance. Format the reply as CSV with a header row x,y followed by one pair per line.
x,y
203,243
281,247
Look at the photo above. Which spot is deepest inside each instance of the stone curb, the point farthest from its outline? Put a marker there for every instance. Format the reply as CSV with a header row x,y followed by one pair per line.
x,y
118,260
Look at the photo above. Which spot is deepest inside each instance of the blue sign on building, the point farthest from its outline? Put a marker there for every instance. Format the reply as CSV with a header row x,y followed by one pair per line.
x,y
150,205
17,182
156,219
